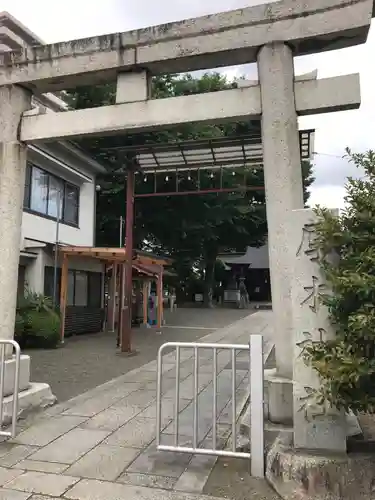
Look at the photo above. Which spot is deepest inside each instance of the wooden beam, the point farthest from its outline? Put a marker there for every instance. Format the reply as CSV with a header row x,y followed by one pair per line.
x,y
63,296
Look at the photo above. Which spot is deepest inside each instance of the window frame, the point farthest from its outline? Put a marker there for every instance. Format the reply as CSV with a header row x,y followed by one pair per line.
x,y
93,301
66,185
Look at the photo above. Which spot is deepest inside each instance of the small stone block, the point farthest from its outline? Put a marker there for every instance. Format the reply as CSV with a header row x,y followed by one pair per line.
x,y
147,480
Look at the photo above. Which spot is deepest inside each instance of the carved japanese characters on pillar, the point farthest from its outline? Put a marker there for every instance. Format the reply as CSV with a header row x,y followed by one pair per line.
x,y
311,325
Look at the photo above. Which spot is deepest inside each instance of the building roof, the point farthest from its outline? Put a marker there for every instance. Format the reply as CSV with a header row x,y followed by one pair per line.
x,y
205,153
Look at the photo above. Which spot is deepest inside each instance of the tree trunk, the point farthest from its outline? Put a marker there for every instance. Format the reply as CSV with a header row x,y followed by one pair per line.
x,y
209,279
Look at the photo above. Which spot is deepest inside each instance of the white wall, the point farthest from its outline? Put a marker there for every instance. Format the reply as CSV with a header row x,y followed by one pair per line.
x,y
39,228
34,272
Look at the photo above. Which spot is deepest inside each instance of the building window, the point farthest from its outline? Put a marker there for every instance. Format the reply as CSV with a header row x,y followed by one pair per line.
x,y
48,195
84,288
81,289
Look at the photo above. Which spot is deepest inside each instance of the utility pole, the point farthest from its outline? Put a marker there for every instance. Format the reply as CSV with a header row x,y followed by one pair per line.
x,y
56,256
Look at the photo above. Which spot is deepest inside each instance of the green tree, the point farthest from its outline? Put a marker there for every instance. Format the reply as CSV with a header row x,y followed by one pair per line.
x,y
191,229
346,364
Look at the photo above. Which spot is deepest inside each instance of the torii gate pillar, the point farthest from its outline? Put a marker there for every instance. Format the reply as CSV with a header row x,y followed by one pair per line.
x,y
284,193
14,101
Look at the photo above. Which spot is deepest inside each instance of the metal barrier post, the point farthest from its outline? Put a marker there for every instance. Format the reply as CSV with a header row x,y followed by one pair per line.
x,y
255,350
256,406
17,350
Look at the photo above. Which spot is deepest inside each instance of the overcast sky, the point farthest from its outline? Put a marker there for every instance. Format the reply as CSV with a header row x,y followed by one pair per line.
x,y
82,18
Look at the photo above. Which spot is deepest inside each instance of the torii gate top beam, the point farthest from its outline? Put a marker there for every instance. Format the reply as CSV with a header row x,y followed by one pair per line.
x,y
223,39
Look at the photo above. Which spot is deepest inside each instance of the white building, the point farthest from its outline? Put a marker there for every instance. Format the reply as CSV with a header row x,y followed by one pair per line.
x,y
58,174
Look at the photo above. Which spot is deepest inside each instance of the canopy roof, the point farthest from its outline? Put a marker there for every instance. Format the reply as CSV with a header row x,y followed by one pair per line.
x,y
205,153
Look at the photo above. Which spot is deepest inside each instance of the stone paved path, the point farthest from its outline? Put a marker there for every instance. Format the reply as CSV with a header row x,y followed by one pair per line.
x,y
68,376
101,444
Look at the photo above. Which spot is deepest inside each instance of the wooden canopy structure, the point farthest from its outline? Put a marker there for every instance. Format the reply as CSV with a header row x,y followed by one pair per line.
x,y
143,263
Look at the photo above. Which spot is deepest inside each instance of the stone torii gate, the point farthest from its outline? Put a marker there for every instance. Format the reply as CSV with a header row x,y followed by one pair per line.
x,y
270,34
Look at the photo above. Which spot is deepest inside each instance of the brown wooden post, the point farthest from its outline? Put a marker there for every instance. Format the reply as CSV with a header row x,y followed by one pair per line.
x,y
63,295
160,297
145,301
126,327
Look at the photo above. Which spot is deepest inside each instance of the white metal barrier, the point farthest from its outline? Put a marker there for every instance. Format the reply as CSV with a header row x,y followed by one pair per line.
x,y
255,350
4,344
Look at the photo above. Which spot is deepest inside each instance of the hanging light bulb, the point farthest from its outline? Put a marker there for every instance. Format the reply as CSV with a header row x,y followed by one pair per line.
x,y
145,178
233,173
212,175
189,177
166,178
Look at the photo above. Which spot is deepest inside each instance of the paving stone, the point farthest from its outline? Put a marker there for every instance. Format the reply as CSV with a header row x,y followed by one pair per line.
x,y
70,447
160,463
47,431
186,424
16,454
33,465
147,480
112,418
14,495
138,398
41,483
103,462
195,476
7,475
137,433
167,409
93,405
90,489
6,447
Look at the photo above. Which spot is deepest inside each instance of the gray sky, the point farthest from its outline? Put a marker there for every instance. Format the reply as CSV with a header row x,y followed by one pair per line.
x,y
82,18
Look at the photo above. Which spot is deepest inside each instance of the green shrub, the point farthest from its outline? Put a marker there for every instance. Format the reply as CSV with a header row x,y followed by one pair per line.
x,y
32,301
346,365
43,329
37,323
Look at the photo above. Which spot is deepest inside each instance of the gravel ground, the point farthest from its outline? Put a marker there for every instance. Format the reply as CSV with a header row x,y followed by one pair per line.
x,y
90,360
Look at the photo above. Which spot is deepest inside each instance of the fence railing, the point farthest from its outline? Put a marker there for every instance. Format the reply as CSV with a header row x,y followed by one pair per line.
x,y
5,347
255,370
